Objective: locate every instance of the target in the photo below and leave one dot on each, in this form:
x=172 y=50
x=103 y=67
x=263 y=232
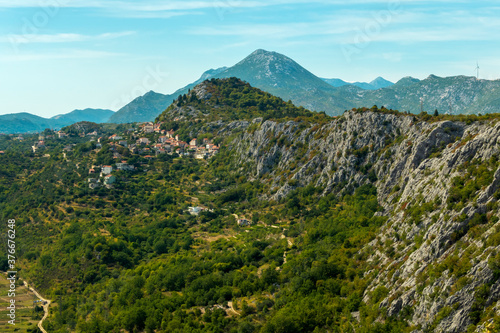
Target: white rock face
x=412 y=164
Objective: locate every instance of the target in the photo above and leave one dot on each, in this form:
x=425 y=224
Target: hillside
x=29 y=123
x=454 y=95
x=142 y=108
x=229 y=99
x=239 y=212
x=434 y=260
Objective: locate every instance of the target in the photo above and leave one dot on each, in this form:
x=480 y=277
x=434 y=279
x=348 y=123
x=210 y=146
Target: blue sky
x=60 y=55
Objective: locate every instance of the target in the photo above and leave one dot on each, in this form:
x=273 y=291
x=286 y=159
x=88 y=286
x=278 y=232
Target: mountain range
x=283 y=77
x=269 y=71
x=26 y=122
x=452 y=95
x=378 y=83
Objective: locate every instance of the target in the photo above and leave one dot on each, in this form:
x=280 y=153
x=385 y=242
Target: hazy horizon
x=62 y=55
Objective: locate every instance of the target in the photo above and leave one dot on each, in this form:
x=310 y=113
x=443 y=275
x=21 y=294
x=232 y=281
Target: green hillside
x=277 y=219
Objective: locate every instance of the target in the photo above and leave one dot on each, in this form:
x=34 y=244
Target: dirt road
x=46 y=304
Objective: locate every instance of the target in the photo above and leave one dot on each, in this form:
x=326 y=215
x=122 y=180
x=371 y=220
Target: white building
x=106 y=169
x=109 y=179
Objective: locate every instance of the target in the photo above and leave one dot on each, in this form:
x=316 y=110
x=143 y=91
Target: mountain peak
x=275 y=73
x=380 y=82
x=269 y=58
x=432 y=76
x=266 y=57
x=260 y=52
x=407 y=81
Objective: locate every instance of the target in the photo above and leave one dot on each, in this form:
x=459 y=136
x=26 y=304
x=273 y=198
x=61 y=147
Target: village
x=167 y=143
x=148 y=141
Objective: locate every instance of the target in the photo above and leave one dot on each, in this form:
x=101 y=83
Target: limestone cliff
x=438 y=183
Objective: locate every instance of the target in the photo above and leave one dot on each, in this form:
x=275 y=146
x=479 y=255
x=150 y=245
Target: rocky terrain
x=438 y=183
x=453 y=95
x=372 y=221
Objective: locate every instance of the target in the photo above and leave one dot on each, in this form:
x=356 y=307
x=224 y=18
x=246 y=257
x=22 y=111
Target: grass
x=25 y=312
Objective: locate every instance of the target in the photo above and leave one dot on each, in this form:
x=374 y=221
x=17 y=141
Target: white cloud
x=279 y=30
x=402 y=25
x=153 y=14
x=68 y=54
x=155 y=5
x=61 y=37
x=142 y=5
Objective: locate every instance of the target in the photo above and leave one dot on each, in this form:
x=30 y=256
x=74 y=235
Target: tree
x=436 y=113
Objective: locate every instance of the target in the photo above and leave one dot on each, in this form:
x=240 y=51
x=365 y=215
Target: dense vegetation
x=132 y=258
x=237 y=100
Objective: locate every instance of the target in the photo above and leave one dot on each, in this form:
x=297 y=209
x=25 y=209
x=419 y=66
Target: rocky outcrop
x=434 y=251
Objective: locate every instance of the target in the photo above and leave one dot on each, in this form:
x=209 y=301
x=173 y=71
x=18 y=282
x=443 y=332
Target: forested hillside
x=275 y=219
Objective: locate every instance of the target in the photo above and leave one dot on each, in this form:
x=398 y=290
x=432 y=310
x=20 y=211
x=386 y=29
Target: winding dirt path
x=231 y=308
x=45 y=306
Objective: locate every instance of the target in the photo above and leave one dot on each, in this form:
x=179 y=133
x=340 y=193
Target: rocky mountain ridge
x=452 y=95
x=435 y=263
x=283 y=77
x=375 y=84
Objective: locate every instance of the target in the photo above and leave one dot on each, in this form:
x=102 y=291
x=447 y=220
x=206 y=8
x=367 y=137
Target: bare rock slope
x=438 y=182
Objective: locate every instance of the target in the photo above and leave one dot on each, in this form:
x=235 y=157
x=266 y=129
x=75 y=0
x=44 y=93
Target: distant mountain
x=208 y=75
x=26 y=122
x=337 y=82
x=269 y=71
x=283 y=77
x=455 y=95
x=22 y=123
x=263 y=68
x=407 y=81
x=378 y=83
x=92 y=115
x=147 y=107
x=143 y=108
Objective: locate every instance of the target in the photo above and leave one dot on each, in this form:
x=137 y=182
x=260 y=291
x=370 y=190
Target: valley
x=371 y=221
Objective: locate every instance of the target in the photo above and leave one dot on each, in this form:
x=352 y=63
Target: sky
x=61 y=55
